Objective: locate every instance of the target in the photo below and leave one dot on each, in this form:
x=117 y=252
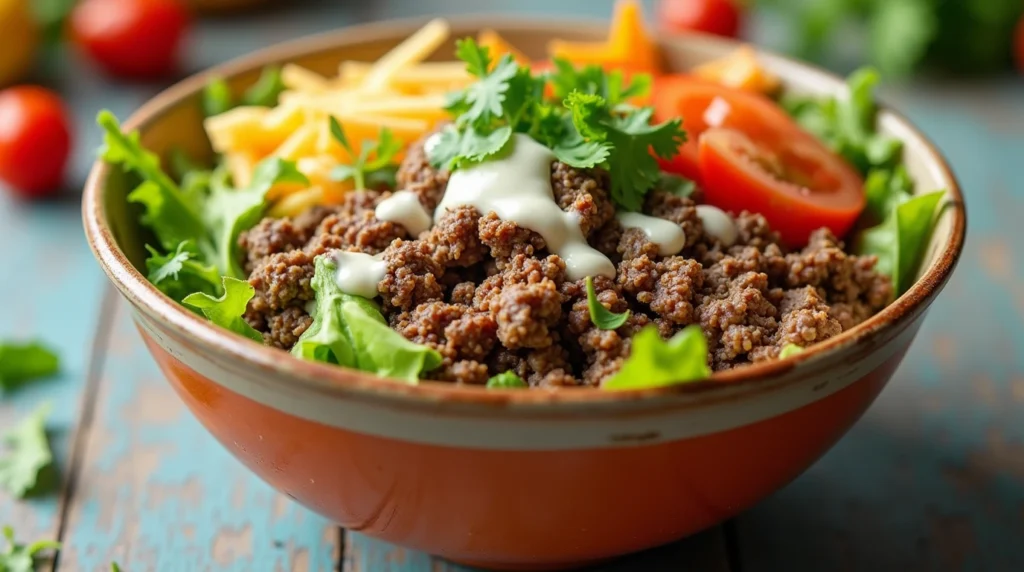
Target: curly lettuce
x=654 y=362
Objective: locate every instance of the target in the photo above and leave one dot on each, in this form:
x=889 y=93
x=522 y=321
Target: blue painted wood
x=156 y=492
x=933 y=477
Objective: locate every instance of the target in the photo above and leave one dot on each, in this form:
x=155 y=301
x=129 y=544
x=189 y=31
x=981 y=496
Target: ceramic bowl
x=510 y=479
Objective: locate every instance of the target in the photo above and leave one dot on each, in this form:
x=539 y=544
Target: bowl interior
x=173 y=120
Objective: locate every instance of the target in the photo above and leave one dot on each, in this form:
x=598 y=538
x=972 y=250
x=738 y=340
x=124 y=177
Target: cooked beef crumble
x=489 y=297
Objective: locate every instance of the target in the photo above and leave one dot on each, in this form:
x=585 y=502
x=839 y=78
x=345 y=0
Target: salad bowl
x=510 y=479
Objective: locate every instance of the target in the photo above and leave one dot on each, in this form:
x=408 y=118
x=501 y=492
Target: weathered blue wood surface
x=931 y=479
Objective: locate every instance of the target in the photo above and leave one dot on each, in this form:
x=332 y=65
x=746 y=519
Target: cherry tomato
x=131 y=38
x=1018 y=44
x=747 y=153
x=34 y=140
x=719 y=17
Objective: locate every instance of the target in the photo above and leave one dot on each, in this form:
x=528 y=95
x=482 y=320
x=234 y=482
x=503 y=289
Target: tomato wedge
x=748 y=154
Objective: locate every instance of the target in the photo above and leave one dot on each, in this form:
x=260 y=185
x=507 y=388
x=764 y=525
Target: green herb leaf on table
x=600 y=316
x=350 y=331
x=226 y=311
x=17 y=557
x=373 y=164
x=790 y=350
x=24 y=452
x=654 y=362
x=506 y=380
x=179 y=274
x=21 y=363
x=901 y=239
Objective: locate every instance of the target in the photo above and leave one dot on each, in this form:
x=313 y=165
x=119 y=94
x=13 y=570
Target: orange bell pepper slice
x=629 y=45
x=498 y=46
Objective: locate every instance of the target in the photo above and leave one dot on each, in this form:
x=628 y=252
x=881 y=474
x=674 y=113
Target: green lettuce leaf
x=654 y=362
x=602 y=317
x=901 y=239
x=180 y=273
x=885 y=189
x=226 y=311
x=350 y=331
x=217 y=97
x=172 y=217
x=27 y=453
x=267 y=89
x=230 y=211
x=790 y=350
x=847 y=123
x=506 y=380
x=21 y=363
x=17 y=557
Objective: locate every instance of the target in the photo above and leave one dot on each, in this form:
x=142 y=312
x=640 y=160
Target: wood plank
x=155 y=491
x=43 y=258
x=933 y=477
x=703 y=552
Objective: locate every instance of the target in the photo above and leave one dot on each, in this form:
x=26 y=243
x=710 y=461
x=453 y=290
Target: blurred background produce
x=135 y=45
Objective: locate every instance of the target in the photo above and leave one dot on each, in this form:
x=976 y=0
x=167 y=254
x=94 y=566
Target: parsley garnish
x=373 y=163
x=587 y=124
x=27 y=453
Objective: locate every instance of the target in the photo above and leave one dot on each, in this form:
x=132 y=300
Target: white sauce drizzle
x=517 y=187
x=404 y=208
x=718 y=224
x=430 y=143
x=668 y=235
x=358 y=273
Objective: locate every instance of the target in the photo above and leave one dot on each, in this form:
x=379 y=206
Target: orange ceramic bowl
x=510 y=479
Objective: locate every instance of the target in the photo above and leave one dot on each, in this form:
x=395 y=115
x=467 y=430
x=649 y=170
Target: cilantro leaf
x=20 y=557
x=482 y=101
x=631 y=164
x=27 y=453
x=901 y=239
x=172 y=217
x=506 y=380
x=595 y=80
x=679 y=186
x=790 y=350
x=375 y=161
x=230 y=211
x=24 y=362
x=602 y=317
x=350 y=331
x=654 y=362
x=179 y=274
x=227 y=310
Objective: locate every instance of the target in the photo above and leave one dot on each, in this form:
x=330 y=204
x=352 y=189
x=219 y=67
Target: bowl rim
x=334 y=380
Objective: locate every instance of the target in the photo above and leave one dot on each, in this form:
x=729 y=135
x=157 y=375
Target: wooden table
x=931 y=479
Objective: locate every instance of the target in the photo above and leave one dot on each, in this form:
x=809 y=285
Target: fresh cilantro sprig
x=17 y=557
x=588 y=123
x=373 y=164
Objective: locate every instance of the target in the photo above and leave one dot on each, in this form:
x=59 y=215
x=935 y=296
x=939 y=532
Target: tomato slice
x=799 y=188
x=758 y=159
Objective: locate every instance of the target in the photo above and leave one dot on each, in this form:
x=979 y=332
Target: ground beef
x=490 y=298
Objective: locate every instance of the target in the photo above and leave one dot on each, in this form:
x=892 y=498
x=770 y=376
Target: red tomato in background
x=747 y=154
x=131 y=38
x=35 y=139
x=719 y=17
x=1018 y=44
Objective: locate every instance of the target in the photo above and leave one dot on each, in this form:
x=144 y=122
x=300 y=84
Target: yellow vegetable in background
x=20 y=34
